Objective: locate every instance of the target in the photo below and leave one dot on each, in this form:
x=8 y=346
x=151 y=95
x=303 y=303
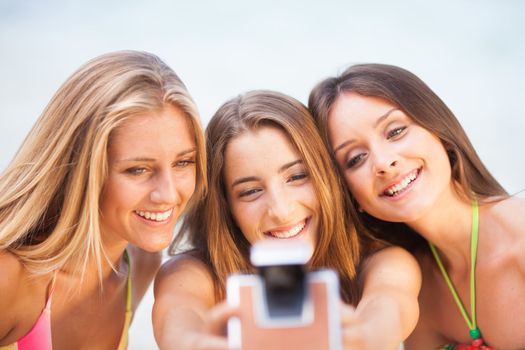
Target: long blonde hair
x=49 y=193
x=211 y=228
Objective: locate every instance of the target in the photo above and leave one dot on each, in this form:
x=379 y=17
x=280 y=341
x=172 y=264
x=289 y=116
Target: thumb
x=348 y=314
x=217 y=318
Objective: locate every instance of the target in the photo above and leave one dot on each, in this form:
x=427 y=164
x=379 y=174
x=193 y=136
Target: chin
x=154 y=246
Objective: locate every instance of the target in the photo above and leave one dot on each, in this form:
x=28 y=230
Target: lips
x=288 y=232
x=401 y=185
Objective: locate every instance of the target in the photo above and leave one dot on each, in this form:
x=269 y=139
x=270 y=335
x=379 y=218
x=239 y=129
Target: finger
x=211 y=342
x=218 y=316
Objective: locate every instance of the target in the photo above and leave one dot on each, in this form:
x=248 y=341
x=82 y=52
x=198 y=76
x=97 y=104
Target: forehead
x=355 y=106
x=166 y=128
x=265 y=148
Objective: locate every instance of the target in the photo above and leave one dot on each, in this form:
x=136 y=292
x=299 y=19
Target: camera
x=283 y=305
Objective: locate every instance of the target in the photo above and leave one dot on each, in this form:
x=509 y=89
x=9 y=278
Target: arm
x=388 y=310
x=184 y=315
x=22 y=298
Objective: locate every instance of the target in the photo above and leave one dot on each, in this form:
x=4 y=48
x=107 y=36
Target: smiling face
x=395 y=169
x=269 y=189
x=151 y=176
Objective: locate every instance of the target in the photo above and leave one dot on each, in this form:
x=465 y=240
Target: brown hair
x=410 y=94
x=211 y=228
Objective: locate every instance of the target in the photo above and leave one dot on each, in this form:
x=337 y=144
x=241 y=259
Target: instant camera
x=284 y=306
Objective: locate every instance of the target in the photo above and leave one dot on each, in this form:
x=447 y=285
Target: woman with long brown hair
x=270 y=177
x=414 y=179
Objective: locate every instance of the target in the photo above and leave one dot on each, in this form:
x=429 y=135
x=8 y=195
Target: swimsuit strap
x=123 y=343
x=51 y=291
x=474 y=330
x=128 y=292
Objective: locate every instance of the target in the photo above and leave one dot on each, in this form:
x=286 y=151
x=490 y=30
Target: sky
x=471 y=53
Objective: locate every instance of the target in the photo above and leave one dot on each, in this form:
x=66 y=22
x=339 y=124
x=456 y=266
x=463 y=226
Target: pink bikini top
x=39 y=337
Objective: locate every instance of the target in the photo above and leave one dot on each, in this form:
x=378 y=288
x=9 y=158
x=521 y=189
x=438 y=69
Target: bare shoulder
x=506 y=220
x=183 y=290
x=509 y=210
x=392 y=266
x=12 y=276
x=183 y=272
x=392 y=258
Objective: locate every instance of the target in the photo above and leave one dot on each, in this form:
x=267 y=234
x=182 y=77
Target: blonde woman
x=270 y=177
x=89 y=200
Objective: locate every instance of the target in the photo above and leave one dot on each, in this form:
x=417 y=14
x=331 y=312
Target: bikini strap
x=127 y=257
x=51 y=291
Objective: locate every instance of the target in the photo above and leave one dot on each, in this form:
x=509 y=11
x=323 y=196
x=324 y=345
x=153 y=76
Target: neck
x=111 y=262
x=447 y=225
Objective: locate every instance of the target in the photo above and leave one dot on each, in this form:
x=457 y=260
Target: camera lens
x=284 y=288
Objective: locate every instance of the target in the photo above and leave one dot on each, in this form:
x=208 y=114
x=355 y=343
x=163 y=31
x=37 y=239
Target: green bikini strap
x=472 y=324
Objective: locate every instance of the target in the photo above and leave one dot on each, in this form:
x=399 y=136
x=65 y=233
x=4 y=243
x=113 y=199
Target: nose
x=280 y=205
x=384 y=162
x=165 y=189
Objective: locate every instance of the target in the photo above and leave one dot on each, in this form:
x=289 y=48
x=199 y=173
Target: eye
x=396 y=132
x=298 y=177
x=352 y=162
x=249 y=192
x=136 y=171
x=184 y=163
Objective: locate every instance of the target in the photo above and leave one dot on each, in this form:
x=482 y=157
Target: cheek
x=356 y=184
x=186 y=185
x=246 y=216
x=115 y=194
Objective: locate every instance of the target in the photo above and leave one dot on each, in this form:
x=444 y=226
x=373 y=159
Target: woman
x=90 y=199
x=413 y=176
x=270 y=177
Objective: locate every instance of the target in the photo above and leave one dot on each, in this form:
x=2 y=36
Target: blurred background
x=471 y=53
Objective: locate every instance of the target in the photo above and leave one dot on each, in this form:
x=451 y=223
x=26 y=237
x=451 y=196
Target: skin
x=149 y=170
x=272 y=197
x=375 y=154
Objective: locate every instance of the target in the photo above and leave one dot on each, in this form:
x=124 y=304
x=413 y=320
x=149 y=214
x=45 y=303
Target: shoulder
x=13 y=277
x=391 y=267
x=391 y=259
x=505 y=221
x=183 y=288
x=508 y=212
x=183 y=271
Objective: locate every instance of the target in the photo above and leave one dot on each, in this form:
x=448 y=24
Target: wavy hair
x=49 y=193
x=211 y=228
x=410 y=94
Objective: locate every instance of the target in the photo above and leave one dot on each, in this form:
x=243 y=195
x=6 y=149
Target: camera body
x=284 y=306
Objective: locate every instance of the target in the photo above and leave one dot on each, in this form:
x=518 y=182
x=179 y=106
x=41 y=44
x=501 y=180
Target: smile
x=402 y=185
x=157 y=216
x=288 y=232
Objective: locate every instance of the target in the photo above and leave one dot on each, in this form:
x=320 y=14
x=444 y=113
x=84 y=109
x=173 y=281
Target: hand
x=353 y=338
x=213 y=335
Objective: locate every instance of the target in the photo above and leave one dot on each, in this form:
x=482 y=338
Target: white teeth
x=294 y=231
x=402 y=184
x=155 y=216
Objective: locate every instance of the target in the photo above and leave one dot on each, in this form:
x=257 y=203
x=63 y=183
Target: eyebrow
x=255 y=178
x=377 y=122
x=147 y=159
